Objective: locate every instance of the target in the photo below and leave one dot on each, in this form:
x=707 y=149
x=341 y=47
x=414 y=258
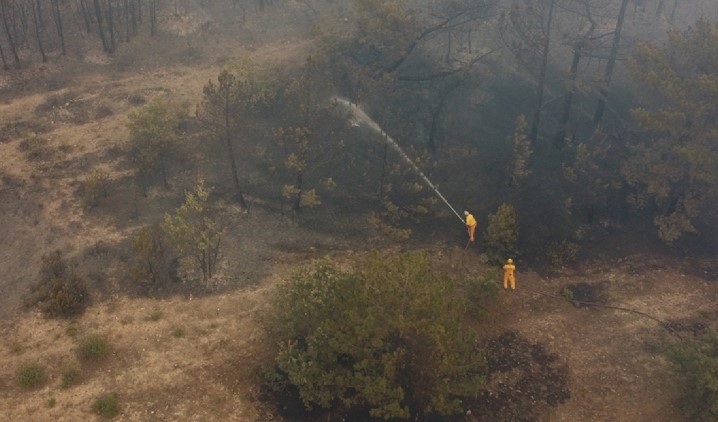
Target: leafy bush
x=698 y=363
x=149 y=259
x=30 y=375
x=60 y=291
x=502 y=233
x=193 y=233
x=479 y=292
x=563 y=252
x=106 y=405
x=385 y=341
x=70 y=376
x=95 y=186
x=93 y=347
x=154 y=138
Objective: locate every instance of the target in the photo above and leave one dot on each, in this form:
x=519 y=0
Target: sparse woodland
x=162 y=151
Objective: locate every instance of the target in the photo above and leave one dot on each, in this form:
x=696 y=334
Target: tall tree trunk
x=447 y=57
x=100 y=26
x=382 y=176
x=111 y=25
x=533 y=134
x=558 y=140
x=40 y=17
x=58 y=23
x=133 y=15
x=8 y=33
x=86 y=17
x=230 y=153
x=673 y=11
x=153 y=17
x=20 y=41
x=603 y=92
x=4 y=60
x=38 y=28
x=300 y=187
x=126 y=5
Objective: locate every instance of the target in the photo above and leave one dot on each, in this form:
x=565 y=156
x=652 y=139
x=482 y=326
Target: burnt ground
x=547 y=359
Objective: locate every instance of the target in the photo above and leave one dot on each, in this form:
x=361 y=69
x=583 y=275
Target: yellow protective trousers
x=471 y=230
x=509 y=279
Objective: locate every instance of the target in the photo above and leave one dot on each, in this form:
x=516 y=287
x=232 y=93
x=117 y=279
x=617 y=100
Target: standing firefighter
x=470 y=225
x=509 y=269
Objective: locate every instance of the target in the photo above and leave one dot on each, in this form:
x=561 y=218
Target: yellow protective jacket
x=470 y=220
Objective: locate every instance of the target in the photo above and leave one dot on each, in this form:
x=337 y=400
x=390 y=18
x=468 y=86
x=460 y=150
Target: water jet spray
x=360 y=117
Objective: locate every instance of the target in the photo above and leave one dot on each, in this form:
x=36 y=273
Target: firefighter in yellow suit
x=509 y=277
x=470 y=225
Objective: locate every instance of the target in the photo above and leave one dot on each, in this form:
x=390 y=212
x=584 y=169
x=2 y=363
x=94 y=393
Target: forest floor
x=191 y=352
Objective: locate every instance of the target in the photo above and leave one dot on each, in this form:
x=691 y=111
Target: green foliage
x=313 y=136
x=480 y=292
x=386 y=339
x=106 y=406
x=149 y=260
x=60 y=292
x=95 y=186
x=380 y=35
x=521 y=147
x=193 y=233
x=39 y=149
x=178 y=332
x=154 y=136
x=502 y=233
x=156 y=315
x=94 y=347
x=70 y=376
x=386 y=222
x=594 y=174
x=568 y=295
x=242 y=91
x=51 y=402
x=563 y=252
x=30 y=375
x=675 y=164
x=697 y=361
x=405 y=201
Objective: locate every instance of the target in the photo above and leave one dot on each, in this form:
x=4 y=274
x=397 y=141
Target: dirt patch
x=523 y=380
x=586 y=295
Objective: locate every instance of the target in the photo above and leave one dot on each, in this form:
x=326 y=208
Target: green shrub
x=51 y=402
x=502 y=234
x=697 y=361
x=106 y=406
x=479 y=292
x=95 y=186
x=385 y=339
x=60 y=292
x=149 y=259
x=30 y=375
x=37 y=148
x=156 y=315
x=93 y=347
x=563 y=252
x=70 y=376
x=178 y=332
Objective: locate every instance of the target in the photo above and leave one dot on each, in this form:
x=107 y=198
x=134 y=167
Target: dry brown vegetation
x=191 y=350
